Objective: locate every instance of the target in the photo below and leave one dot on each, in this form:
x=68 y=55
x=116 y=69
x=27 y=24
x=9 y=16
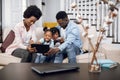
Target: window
x=0 y=21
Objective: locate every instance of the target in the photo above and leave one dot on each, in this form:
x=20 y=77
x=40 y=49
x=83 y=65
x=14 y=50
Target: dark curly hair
x=32 y=11
x=55 y=30
x=61 y=15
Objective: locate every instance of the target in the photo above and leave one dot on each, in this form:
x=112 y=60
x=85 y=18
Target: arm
x=71 y=36
x=18 y=36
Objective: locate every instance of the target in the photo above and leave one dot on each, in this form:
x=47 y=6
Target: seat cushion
x=86 y=58
x=5 y=59
x=1 y=67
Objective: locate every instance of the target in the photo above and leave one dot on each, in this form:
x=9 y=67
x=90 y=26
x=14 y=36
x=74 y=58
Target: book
x=107 y=63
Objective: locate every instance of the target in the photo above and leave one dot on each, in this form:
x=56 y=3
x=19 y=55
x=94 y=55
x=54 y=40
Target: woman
x=25 y=35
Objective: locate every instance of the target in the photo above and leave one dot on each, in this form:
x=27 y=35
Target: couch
x=6 y=59
x=83 y=58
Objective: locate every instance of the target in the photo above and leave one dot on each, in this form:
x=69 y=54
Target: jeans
x=44 y=59
x=22 y=53
x=71 y=51
x=40 y=58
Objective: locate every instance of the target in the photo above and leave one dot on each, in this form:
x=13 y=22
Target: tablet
x=41 y=48
x=40 y=69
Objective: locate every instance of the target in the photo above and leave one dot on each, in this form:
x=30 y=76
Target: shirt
x=22 y=37
x=72 y=36
x=50 y=43
x=62 y=33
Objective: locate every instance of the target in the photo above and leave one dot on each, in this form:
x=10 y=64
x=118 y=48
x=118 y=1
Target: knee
x=72 y=60
x=26 y=53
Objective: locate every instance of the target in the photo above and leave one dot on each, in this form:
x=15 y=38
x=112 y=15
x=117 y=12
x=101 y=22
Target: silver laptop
x=45 y=69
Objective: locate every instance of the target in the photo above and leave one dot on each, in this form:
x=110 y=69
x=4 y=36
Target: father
x=72 y=42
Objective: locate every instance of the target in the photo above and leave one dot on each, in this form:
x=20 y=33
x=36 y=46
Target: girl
x=47 y=40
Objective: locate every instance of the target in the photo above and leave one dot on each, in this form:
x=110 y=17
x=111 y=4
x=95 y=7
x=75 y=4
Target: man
x=72 y=43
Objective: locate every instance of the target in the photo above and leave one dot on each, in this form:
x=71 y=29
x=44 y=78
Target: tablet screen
x=41 y=48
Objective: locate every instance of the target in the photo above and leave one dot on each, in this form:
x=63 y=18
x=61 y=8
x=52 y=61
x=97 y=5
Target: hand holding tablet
x=41 y=48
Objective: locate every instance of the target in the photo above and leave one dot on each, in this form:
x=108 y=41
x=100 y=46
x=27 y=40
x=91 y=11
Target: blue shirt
x=72 y=36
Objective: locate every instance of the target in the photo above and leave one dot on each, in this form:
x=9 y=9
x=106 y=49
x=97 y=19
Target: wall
x=51 y=8
x=12 y=12
x=0 y=20
x=0 y=13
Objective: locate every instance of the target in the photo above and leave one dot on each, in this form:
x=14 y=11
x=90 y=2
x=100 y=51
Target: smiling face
x=48 y=36
x=55 y=36
x=30 y=21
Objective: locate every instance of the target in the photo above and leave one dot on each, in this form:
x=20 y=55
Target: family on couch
x=70 y=43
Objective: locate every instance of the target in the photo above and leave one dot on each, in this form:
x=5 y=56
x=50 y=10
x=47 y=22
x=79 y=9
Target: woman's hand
x=38 y=42
x=30 y=49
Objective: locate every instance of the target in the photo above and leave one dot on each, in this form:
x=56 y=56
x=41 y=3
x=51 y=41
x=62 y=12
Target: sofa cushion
x=1 y=67
x=8 y=40
x=86 y=58
x=5 y=59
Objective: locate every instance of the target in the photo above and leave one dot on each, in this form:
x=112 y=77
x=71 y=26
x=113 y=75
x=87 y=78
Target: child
x=58 y=40
x=47 y=40
x=56 y=36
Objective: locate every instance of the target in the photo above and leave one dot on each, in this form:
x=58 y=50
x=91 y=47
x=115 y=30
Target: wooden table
x=22 y=71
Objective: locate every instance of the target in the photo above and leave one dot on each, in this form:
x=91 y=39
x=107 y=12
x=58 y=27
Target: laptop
x=47 y=69
x=41 y=48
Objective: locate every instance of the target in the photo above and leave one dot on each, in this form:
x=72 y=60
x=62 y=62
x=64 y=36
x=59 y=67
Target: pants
x=24 y=54
x=71 y=51
x=40 y=58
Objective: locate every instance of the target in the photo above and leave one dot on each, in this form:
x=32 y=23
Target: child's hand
x=38 y=42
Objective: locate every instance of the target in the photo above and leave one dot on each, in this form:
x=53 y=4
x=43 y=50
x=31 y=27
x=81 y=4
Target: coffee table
x=22 y=71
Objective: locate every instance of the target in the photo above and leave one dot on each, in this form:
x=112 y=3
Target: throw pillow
x=8 y=40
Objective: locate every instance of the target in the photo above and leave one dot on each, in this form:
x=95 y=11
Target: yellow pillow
x=50 y=24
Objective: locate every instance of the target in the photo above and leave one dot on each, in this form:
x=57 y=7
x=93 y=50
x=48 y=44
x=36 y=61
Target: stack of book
x=107 y=63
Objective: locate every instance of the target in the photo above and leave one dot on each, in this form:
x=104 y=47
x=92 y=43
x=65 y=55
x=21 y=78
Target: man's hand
x=53 y=51
x=62 y=40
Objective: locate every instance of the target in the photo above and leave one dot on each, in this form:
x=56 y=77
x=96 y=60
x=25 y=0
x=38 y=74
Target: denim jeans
x=71 y=51
x=40 y=58
x=44 y=59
